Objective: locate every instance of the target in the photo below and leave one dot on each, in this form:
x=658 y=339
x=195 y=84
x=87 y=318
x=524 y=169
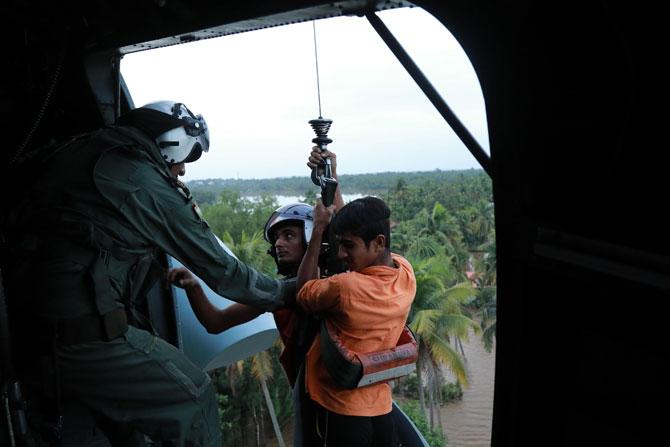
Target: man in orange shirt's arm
x=367 y=307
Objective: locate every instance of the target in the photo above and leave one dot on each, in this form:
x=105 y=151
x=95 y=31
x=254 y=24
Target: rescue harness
x=350 y=369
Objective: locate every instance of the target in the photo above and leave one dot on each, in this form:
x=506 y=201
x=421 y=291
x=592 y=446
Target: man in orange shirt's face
x=357 y=255
x=364 y=241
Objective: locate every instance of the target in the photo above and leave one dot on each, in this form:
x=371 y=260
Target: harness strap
x=342 y=364
x=350 y=370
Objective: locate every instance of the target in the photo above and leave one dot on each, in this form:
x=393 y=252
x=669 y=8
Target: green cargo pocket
x=172 y=361
x=189 y=385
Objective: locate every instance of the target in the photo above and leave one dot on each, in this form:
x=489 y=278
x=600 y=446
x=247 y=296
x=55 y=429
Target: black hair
x=366 y=218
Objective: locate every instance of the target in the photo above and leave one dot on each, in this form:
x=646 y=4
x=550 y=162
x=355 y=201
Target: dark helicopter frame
x=575 y=104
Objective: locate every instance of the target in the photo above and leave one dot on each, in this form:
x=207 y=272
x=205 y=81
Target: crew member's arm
x=215 y=320
x=170 y=219
x=316 y=157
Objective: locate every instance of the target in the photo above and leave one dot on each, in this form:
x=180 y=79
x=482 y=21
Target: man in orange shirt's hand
x=367 y=307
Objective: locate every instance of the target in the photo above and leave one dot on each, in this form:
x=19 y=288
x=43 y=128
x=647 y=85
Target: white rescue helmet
x=300 y=213
x=185 y=143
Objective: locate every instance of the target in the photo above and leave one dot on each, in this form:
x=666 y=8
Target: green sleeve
x=140 y=190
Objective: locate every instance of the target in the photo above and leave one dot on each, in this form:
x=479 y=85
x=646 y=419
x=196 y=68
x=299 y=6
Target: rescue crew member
x=367 y=307
x=289 y=231
x=82 y=241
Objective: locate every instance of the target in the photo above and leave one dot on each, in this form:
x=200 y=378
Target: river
x=467 y=422
x=285 y=200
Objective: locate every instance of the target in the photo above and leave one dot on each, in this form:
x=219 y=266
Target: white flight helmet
x=298 y=212
x=293 y=213
x=185 y=143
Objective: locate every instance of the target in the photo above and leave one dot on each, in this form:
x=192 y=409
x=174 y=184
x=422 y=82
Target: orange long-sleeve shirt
x=368 y=309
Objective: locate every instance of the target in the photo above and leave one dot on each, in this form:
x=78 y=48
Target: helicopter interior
x=574 y=98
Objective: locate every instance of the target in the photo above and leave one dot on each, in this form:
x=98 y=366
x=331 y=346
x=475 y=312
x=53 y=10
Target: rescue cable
x=322 y=175
x=316 y=63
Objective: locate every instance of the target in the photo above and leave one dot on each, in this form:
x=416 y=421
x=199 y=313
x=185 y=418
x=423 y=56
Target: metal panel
x=212 y=351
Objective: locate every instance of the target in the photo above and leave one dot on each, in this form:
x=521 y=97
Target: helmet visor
x=196 y=127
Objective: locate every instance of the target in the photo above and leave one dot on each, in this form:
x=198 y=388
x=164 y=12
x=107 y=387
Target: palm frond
x=458 y=325
x=487 y=337
x=261 y=365
x=461 y=292
x=423 y=322
x=443 y=353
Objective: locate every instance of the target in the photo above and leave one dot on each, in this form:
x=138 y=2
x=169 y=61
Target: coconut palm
x=438 y=317
x=429 y=234
x=485 y=303
x=261 y=368
x=484 y=223
x=487 y=315
x=252 y=250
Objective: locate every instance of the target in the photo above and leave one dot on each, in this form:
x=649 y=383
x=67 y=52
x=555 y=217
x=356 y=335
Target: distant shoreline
x=362 y=184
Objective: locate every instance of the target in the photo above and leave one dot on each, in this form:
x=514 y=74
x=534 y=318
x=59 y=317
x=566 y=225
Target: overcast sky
x=257 y=91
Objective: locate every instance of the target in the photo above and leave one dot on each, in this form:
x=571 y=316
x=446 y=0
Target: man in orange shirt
x=367 y=307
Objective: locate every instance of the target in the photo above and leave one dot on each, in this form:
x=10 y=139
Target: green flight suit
x=81 y=241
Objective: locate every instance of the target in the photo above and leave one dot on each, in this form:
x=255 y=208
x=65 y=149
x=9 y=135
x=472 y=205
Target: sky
x=258 y=90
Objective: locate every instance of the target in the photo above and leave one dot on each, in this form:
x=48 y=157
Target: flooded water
x=285 y=200
x=468 y=422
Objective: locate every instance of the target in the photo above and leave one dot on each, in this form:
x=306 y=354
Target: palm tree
x=233 y=372
x=437 y=317
x=487 y=315
x=252 y=250
x=423 y=236
x=485 y=223
x=261 y=368
x=433 y=233
x=485 y=277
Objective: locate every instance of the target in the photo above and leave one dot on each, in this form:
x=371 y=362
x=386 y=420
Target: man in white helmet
x=83 y=240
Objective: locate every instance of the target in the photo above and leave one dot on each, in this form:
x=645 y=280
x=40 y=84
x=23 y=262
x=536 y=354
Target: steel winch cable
x=320 y=125
x=316 y=63
x=322 y=175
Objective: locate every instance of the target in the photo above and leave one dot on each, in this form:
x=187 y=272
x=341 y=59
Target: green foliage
x=231 y=413
x=379 y=184
x=410 y=386
x=438 y=314
x=235 y=214
x=413 y=411
x=240 y=396
x=310 y=196
x=451 y=391
x=226 y=417
x=251 y=250
x=486 y=313
x=282 y=397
